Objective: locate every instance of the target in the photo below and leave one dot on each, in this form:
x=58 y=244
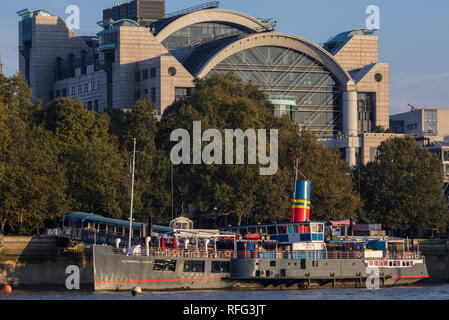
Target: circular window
x=378 y=77
x=172 y=71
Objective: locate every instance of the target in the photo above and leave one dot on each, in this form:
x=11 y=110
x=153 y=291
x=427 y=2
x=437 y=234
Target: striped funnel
x=301 y=201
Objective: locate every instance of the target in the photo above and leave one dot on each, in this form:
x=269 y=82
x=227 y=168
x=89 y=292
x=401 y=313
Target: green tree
x=402 y=188
x=152 y=186
x=96 y=169
x=239 y=191
x=33 y=190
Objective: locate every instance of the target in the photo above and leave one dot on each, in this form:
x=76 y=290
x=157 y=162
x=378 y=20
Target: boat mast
x=132 y=197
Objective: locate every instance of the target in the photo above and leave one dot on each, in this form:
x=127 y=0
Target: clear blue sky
x=413 y=35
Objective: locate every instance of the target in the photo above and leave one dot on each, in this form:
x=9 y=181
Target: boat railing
x=182 y=253
x=330 y=254
x=93 y=236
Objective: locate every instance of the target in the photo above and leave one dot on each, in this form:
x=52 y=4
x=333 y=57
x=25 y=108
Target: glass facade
x=366 y=103
x=430 y=122
x=286 y=72
x=200 y=33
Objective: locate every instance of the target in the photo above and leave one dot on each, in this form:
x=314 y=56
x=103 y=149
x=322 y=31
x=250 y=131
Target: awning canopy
x=81 y=217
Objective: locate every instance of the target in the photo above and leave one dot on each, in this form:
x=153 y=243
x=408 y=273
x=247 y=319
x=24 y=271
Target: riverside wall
x=33 y=262
x=436 y=252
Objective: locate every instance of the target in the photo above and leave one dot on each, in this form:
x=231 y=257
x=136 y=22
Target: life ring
x=228 y=254
x=359 y=254
x=175 y=253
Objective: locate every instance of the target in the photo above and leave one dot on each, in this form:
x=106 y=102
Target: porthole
x=172 y=71
x=378 y=77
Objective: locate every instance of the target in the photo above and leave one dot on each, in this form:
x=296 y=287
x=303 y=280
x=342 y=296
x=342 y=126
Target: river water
x=416 y=292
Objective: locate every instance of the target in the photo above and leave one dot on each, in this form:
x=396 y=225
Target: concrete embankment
x=27 y=262
x=436 y=252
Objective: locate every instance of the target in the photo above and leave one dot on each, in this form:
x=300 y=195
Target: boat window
x=102 y=228
x=391 y=263
x=193 y=266
x=282 y=229
x=252 y=230
x=164 y=265
x=314 y=228
x=243 y=231
x=261 y=230
x=272 y=230
x=321 y=227
x=220 y=266
x=291 y=229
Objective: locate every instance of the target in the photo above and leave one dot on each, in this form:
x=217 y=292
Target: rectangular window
x=145 y=93
x=89 y=106
x=80 y=89
x=92 y=86
x=153 y=72
x=96 y=105
x=73 y=90
x=220 y=267
x=58 y=93
x=145 y=74
x=153 y=95
x=183 y=93
x=86 y=88
x=164 y=265
x=372 y=153
x=272 y=230
x=282 y=229
x=194 y=266
x=64 y=92
x=430 y=122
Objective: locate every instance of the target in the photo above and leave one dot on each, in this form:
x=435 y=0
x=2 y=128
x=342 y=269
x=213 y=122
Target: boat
x=290 y=255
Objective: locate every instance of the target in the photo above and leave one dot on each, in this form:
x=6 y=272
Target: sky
x=413 y=35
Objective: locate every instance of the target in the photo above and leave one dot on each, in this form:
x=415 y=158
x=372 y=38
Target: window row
x=194 y=266
x=77 y=90
x=145 y=73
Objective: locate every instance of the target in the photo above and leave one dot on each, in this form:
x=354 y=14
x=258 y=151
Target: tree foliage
x=63 y=158
x=402 y=188
x=239 y=191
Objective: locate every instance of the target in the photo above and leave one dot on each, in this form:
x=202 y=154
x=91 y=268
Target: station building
x=340 y=90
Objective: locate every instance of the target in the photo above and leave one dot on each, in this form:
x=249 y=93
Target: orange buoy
x=7 y=289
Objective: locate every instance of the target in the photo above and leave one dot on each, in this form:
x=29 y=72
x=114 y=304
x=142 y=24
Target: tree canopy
x=402 y=188
x=63 y=158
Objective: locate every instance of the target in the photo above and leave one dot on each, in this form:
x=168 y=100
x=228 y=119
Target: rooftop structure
x=335 y=91
x=428 y=122
x=144 y=12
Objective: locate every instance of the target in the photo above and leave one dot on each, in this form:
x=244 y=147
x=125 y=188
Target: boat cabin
x=283 y=233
